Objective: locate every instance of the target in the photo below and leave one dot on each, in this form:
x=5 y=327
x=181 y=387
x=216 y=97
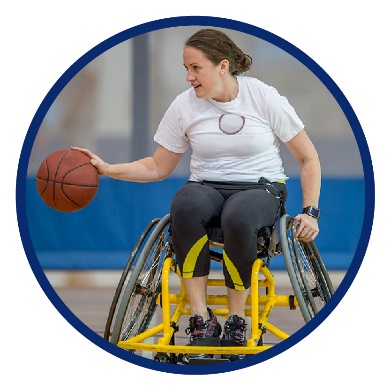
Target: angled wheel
x=133 y=258
x=307 y=272
x=139 y=300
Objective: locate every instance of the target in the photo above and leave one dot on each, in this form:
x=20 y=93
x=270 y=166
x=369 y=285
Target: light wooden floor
x=89 y=295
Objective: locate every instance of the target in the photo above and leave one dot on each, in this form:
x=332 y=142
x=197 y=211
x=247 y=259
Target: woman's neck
x=230 y=90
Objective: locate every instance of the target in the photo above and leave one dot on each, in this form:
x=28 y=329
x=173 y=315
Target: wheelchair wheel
x=139 y=300
x=307 y=272
x=132 y=260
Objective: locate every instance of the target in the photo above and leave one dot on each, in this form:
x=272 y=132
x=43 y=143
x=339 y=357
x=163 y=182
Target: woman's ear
x=224 y=66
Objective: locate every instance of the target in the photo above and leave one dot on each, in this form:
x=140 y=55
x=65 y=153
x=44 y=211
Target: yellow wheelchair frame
x=309 y=278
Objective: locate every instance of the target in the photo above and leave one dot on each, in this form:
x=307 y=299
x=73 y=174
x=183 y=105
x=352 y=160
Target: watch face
x=312 y=211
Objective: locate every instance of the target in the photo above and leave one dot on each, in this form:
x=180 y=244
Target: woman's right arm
x=149 y=169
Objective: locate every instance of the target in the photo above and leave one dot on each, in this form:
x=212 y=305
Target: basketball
x=67 y=181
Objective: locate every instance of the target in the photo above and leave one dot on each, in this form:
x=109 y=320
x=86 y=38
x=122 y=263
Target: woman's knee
x=195 y=202
x=181 y=202
x=238 y=223
x=238 y=228
x=249 y=211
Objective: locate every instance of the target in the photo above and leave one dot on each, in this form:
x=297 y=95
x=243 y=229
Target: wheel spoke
x=139 y=300
x=309 y=278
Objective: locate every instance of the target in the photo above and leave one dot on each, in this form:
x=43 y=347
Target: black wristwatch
x=312 y=211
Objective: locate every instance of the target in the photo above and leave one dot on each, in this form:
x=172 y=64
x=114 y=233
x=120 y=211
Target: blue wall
x=102 y=235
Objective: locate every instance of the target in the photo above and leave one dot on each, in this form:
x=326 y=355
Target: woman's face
x=202 y=74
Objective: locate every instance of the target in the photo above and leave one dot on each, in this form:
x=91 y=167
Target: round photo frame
x=194 y=21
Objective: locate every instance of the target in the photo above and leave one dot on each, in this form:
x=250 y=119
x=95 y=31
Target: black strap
x=263 y=183
x=233 y=185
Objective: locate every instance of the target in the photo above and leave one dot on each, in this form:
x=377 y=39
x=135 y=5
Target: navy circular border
x=146 y=28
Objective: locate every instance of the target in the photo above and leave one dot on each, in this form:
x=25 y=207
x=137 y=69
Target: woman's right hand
x=96 y=161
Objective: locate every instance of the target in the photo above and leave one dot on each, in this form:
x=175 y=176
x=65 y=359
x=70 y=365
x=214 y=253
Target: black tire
x=139 y=300
x=307 y=272
x=125 y=275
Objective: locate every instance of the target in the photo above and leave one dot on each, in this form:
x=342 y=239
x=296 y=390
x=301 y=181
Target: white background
x=40 y=40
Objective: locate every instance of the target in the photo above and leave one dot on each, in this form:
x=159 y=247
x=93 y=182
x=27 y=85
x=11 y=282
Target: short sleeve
x=282 y=116
x=170 y=133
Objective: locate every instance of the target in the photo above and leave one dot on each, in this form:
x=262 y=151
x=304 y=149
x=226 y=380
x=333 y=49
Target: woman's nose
x=190 y=76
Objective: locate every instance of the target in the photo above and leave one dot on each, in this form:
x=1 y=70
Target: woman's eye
x=194 y=68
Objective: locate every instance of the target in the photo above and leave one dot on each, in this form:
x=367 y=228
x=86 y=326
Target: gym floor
x=88 y=294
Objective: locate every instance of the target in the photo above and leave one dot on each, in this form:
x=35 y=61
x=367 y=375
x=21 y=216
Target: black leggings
x=240 y=214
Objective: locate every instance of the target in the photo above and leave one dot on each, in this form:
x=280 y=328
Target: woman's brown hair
x=218 y=46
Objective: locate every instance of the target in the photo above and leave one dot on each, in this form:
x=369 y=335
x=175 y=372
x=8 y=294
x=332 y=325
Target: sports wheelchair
x=146 y=284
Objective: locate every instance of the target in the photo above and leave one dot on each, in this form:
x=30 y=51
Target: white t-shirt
x=231 y=141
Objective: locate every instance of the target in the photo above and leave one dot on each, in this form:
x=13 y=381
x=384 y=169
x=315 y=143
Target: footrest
x=206 y=361
x=206 y=342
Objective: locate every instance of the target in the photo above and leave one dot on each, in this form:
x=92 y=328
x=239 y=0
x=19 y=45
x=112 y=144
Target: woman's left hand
x=307 y=228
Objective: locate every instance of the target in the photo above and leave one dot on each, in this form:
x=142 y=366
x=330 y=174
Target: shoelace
x=194 y=327
x=236 y=326
x=235 y=331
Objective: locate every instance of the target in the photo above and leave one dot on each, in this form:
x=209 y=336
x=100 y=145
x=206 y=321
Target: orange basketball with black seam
x=67 y=181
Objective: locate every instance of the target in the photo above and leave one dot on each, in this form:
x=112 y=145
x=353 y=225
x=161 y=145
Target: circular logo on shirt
x=231 y=123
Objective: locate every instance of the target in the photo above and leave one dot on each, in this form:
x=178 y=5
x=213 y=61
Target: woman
x=233 y=124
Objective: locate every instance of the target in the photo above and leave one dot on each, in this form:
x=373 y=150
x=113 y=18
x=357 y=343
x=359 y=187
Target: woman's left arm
x=302 y=149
